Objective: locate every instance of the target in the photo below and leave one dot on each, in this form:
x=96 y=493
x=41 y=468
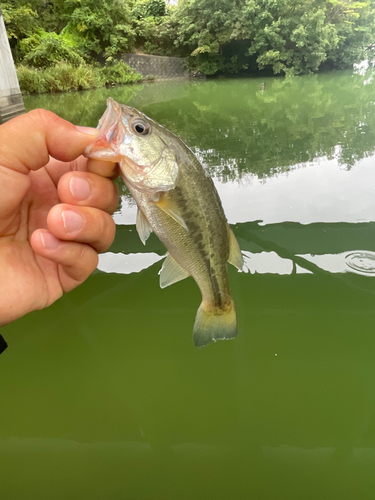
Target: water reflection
x=269 y=262
x=292 y=123
x=237 y=129
x=84 y=107
x=126 y=263
x=284 y=248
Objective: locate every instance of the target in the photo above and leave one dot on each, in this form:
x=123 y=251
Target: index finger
x=28 y=140
x=26 y=143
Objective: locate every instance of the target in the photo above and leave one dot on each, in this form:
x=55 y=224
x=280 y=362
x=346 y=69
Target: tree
x=20 y=20
x=153 y=27
x=104 y=27
x=355 y=23
x=283 y=35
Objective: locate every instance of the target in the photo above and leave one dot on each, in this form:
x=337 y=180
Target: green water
x=104 y=396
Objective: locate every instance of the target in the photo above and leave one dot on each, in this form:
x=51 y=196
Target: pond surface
x=103 y=395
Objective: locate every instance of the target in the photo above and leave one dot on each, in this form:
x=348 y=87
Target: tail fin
x=213 y=323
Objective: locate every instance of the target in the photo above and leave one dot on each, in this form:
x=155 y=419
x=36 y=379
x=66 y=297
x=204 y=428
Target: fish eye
x=140 y=127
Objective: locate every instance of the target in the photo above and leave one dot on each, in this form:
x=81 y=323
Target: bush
x=31 y=80
x=64 y=77
x=61 y=78
x=43 y=50
x=118 y=73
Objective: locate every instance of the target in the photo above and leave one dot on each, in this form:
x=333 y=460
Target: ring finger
x=82 y=224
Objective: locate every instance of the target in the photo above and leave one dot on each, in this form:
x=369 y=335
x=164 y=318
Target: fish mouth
x=113 y=142
x=112 y=133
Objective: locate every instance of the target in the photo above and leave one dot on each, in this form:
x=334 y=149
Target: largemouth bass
x=178 y=201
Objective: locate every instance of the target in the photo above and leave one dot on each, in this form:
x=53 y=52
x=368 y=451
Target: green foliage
x=104 y=27
x=148 y=8
x=61 y=78
x=31 y=80
x=154 y=28
x=118 y=73
x=355 y=23
x=43 y=50
x=98 y=28
x=64 y=77
x=20 y=20
x=86 y=30
x=280 y=35
x=216 y=36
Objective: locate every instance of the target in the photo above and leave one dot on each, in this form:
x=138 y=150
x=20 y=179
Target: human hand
x=54 y=212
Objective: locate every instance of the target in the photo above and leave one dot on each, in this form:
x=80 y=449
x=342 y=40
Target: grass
x=64 y=77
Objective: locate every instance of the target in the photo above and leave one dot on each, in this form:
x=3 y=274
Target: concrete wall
x=11 y=103
x=159 y=66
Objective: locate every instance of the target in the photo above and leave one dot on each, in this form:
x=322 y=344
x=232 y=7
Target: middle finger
x=89 y=190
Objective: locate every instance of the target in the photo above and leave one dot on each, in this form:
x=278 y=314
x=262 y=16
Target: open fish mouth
x=112 y=133
x=122 y=132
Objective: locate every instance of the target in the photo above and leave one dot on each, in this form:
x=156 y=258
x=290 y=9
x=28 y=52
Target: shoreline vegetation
x=69 y=45
x=64 y=77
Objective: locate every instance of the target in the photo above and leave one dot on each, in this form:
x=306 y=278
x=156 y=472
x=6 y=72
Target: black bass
x=178 y=201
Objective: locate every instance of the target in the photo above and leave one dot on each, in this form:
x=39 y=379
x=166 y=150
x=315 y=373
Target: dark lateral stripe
x=216 y=290
x=3 y=344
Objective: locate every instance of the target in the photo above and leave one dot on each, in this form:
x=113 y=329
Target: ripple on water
x=363 y=262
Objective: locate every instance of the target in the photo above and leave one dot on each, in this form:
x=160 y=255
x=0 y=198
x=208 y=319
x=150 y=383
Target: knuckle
x=81 y=255
x=47 y=117
x=107 y=232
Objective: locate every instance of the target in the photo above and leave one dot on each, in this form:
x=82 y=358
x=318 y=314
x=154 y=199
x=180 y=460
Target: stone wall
x=158 y=66
x=11 y=103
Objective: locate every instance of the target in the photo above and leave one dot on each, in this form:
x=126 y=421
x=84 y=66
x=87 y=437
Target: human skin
x=55 y=208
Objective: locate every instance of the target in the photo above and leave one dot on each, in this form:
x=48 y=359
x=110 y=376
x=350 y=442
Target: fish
x=178 y=201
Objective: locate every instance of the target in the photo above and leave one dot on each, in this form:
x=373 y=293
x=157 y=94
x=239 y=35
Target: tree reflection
x=83 y=107
x=250 y=125
x=236 y=128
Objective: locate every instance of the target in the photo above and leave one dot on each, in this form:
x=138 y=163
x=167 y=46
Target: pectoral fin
x=143 y=227
x=164 y=204
x=235 y=255
x=171 y=272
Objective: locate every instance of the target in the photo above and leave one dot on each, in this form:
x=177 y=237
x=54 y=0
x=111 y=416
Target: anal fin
x=171 y=272
x=235 y=255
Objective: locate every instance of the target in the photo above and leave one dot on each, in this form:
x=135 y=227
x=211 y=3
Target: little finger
x=76 y=260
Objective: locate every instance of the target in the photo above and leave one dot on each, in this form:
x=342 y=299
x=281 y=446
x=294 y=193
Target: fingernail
x=80 y=188
x=87 y=130
x=72 y=221
x=49 y=241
